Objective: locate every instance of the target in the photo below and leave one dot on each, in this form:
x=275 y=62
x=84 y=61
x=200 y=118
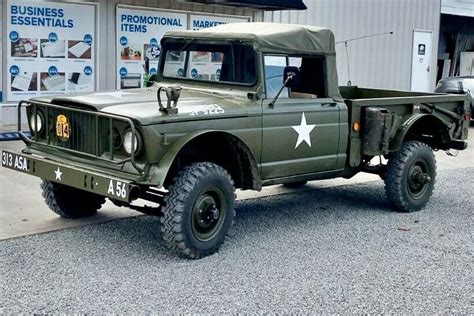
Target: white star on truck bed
x=303 y=131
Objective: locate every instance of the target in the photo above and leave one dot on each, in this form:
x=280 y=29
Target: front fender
x=158 y=172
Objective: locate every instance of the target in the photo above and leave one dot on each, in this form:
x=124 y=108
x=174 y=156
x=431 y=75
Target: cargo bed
x=400 y=104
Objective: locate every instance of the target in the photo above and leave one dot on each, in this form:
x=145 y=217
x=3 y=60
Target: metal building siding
x=382 y=61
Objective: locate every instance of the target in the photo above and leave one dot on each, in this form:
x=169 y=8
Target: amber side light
x=356 y=126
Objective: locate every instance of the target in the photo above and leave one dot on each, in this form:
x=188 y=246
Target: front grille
x=89 y=133
x=83 y=131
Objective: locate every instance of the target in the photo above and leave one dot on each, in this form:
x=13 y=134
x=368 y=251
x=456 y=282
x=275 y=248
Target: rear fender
x=429 y=123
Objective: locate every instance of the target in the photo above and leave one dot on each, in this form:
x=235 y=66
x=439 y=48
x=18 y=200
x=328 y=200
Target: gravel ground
x=335 y=250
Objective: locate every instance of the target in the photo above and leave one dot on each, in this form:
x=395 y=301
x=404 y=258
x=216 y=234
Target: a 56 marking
x=118 y=189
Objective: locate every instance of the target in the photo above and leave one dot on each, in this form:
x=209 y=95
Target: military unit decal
x=63 y=129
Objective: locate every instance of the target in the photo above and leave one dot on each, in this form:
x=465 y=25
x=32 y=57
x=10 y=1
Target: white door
x=466 y=66
x=421 y=61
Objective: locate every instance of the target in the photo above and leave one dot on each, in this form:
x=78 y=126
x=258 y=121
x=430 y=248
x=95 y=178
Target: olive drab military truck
x=234 y=106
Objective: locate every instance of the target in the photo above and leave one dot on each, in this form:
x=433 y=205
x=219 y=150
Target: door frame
x=411 y=54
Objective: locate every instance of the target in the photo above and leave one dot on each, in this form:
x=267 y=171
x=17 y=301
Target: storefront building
x=60 y=47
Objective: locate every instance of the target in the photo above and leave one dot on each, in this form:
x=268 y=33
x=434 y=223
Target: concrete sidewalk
x=23 y=211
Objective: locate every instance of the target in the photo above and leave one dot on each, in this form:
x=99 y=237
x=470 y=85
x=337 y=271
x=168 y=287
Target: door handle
x=329 y=104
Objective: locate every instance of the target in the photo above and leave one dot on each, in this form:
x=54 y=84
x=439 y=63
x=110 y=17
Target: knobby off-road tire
x=198 y=211
x=410 y=177
x=69 y=202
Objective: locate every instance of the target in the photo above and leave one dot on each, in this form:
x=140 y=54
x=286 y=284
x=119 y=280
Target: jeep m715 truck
x=234 y=106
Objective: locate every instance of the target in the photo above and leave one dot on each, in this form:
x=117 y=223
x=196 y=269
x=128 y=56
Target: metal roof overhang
x=259 y=4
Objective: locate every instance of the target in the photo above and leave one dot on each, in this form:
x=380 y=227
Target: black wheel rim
x=418 y=179
x=208 y=214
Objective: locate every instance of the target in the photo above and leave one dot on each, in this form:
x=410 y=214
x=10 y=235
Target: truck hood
x=142 y=104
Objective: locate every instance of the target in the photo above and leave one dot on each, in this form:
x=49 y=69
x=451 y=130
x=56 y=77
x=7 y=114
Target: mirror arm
x=272 y=103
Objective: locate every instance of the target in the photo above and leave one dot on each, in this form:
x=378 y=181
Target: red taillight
x=467 y=117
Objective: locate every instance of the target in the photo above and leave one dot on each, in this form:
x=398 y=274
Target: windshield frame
x=186 y=42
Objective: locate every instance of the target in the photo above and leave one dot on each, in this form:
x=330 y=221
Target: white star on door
x=58 y=174
x=303 y=131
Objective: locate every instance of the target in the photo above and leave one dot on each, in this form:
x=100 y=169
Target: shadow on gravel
x=365 y=197
x=265 y=217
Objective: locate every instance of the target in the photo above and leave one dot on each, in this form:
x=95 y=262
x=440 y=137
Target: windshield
x=226 y=63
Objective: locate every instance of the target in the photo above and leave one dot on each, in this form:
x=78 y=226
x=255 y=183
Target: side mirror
x=294 y=73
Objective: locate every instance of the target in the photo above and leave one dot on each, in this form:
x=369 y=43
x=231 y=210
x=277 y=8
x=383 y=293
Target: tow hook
x=452 y=154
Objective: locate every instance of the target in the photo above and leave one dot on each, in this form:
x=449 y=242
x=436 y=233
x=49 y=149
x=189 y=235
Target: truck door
x=301 y=130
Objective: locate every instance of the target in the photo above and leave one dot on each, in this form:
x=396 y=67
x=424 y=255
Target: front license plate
x=15 y=161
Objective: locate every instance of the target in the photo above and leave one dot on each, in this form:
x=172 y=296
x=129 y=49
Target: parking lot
x=330 y=247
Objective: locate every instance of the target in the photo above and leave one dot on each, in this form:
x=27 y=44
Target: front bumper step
x=82 y=179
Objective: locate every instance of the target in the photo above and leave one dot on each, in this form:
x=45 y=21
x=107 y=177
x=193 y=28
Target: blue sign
x=123 y=41
x=52 y=71
x=14 y=36
x=14 y=70
x=88 y=70
x=123 y=72
x=152 y=71
x=194 y=72
x=53 y=37
x=181 y=72
x=88 y=39
x=154 y=42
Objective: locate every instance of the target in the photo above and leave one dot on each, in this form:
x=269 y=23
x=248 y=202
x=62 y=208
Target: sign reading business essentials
x=50 y=48
x=138 y=42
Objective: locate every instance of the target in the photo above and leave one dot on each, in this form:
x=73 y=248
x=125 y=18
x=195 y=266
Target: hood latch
x=172 y=94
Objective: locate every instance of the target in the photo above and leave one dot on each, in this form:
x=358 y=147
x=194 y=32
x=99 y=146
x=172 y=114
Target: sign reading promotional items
x=50 y=48
x=138 y=42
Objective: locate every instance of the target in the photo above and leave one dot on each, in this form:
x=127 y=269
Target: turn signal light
x=356 y=126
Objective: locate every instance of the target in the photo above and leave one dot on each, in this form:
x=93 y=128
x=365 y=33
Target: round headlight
x=36 y=124
x=127 y=142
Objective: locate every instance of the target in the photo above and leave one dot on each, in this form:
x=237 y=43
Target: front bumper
x=79 y=178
